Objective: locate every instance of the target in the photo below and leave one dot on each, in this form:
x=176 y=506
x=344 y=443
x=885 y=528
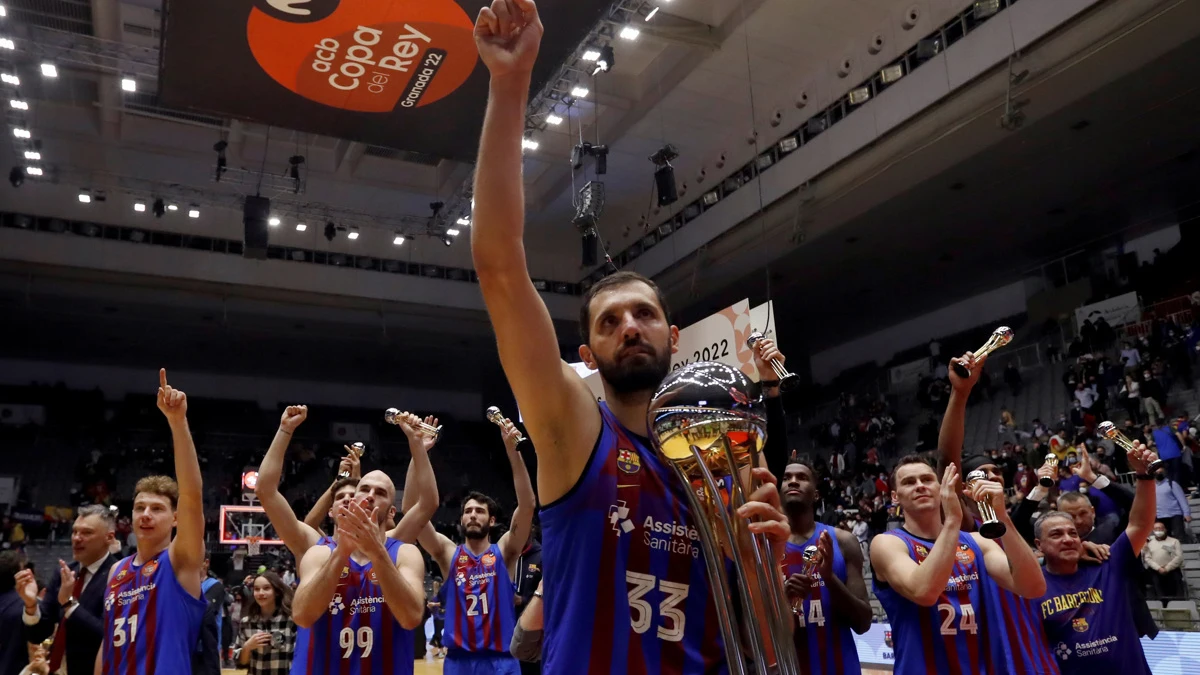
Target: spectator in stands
x=1172 y=505
x=1163 y=555
x=207 y=659
x=1168 y=448
x=1012 y=378
x=1131 y=399
x=13 y=653
x=1078 y=417
x=267 y=638
x=1153 y=397
x=1085 y=396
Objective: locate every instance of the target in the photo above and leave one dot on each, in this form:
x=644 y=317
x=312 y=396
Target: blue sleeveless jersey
x=151 y=624
x=951 y=637
x=358 y=635
x=480 y=612
x=824 y=645
x=303 y=635
x=624 y=578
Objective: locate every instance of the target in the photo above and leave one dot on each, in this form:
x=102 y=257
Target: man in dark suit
x=73 y=608
x=14 y=653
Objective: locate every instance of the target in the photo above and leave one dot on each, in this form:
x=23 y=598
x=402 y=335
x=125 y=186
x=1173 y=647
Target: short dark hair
x=612 y=281
x=341 y=483
x=905 y=461
x=794 y=458
x=1040 y=523
x=492 y=506
x=10 y=564
x=1073 y=498
x=105 y=514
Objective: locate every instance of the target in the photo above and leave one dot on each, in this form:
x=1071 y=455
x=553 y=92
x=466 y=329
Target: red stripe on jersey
x=800 y=638
x=925 y=624
x=389 y=625
x=129 y=649
x=149 y=625
x=312 y=649
x=838 y=663
x=352 y=581
x=600 y=653
x=638 y=561
x=1016 y=627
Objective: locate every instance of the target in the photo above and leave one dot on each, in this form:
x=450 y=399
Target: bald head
x=378 y=491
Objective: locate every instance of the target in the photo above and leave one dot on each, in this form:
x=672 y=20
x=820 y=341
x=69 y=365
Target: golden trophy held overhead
x=392 y=416
x=1110 y=431
x=1000 y=337
x=1052 y=462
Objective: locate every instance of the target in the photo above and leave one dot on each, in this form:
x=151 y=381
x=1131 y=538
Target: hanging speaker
x=664 y=181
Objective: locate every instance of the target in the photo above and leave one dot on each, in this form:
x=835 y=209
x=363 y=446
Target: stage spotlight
x=300 y=227
x=353 y=234
x=16 y=176
x=21 y=133
x=140 y=207
x=629 y=33
x=33 y=170
x=891 y=73
x=85 y=197
x=158 y=208
x=330 y=231
x=194 y=211
x=128 y=84
x=3 y=11
x=172 y=207
x=49 y=70
x=464 y=221
x=553 y=119
x=18 y=105
x=652 y=13
x=7 y=43
x=33 y=155
x=10 y=79
x=529 y=144
x=273 y=222
x=986 y=8
x=591 y=55
x=452 y=232
x=606 y=60
x=447 y=241
x=860 y=96
x=399 y=239
x=579 y=92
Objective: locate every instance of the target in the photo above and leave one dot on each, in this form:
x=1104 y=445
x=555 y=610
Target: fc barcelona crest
x=887 y=639
x=1080 y=625
x=150 y=568
x=488 y=559
x=345 y=572
x=628 y=461
x=462 y=559
x=121 y=575
x=922 y=552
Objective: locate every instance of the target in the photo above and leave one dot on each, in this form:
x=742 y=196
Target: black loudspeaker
x=254 y=216
x=664 y=180
x=590 y=242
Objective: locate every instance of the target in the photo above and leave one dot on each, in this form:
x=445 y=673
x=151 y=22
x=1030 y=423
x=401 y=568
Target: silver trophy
x=708 y=423
x=787 y=380
x=1052 y=462
x=496 y=417
x=357 y=448
x=991 y=527
x=1000 y=337
x=811 y=561
x=1109 y=430
x=392 y=416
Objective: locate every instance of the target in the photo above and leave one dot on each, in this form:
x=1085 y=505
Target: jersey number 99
x=366 y=640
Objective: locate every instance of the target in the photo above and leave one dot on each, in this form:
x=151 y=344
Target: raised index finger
x=162 y=377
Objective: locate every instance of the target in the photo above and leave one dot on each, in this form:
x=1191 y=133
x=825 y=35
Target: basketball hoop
x=253 y=545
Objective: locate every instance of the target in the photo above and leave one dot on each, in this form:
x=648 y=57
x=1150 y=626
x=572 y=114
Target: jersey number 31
x=672 y=618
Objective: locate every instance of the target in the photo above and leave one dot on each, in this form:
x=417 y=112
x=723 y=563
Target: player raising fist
x=152 y=608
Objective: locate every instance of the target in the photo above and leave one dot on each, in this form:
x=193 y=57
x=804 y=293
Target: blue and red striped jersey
x=626 y=589
x=1018 y=641
x=951 y=637
x=358 y=635
x=151 y=624
x=824 y=644
x=479 y=602
x=303 y=635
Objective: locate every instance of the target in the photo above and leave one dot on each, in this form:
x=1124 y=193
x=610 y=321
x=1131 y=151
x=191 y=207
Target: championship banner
x=403 y=75
x=720 y=337
x=1116 y=311
x=1171 y=653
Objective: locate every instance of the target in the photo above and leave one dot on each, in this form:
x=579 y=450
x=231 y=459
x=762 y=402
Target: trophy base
x=960 y=370
x=992 y=530
x=1154 y=466
x=789 y=382
x=1046 y=482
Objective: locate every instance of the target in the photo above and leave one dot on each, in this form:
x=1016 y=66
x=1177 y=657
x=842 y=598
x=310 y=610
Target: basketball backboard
x=238 y=523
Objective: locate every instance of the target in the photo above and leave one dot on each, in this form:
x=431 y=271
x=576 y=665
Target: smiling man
x=1086 y=610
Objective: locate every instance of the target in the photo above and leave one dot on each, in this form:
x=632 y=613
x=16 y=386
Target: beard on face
x=639 y=372
x=473 y=532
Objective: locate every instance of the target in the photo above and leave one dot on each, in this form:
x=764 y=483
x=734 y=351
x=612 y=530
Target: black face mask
x=1160 y=477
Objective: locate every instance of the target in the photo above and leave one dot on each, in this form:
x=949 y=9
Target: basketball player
x=833 y=602
x=1016 y=644
x=361 y=598
x=480 y=595
x=625 y=583
x=153 y=608
x=299 y=536
x=1087 y=611
x=933 y=579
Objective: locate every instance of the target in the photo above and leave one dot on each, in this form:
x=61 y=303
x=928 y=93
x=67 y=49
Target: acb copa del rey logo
x=364 y=55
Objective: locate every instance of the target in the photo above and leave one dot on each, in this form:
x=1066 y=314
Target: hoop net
x=253 y=545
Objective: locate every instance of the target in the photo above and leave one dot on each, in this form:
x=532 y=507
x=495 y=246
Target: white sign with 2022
x=719 y=337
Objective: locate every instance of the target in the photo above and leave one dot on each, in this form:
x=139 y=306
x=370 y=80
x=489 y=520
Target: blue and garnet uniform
x=626 y=589
x=151 y=623
x=358 y=634
x=824 y=644
x=480 y=613
x=948 y=638
x=304 y=635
